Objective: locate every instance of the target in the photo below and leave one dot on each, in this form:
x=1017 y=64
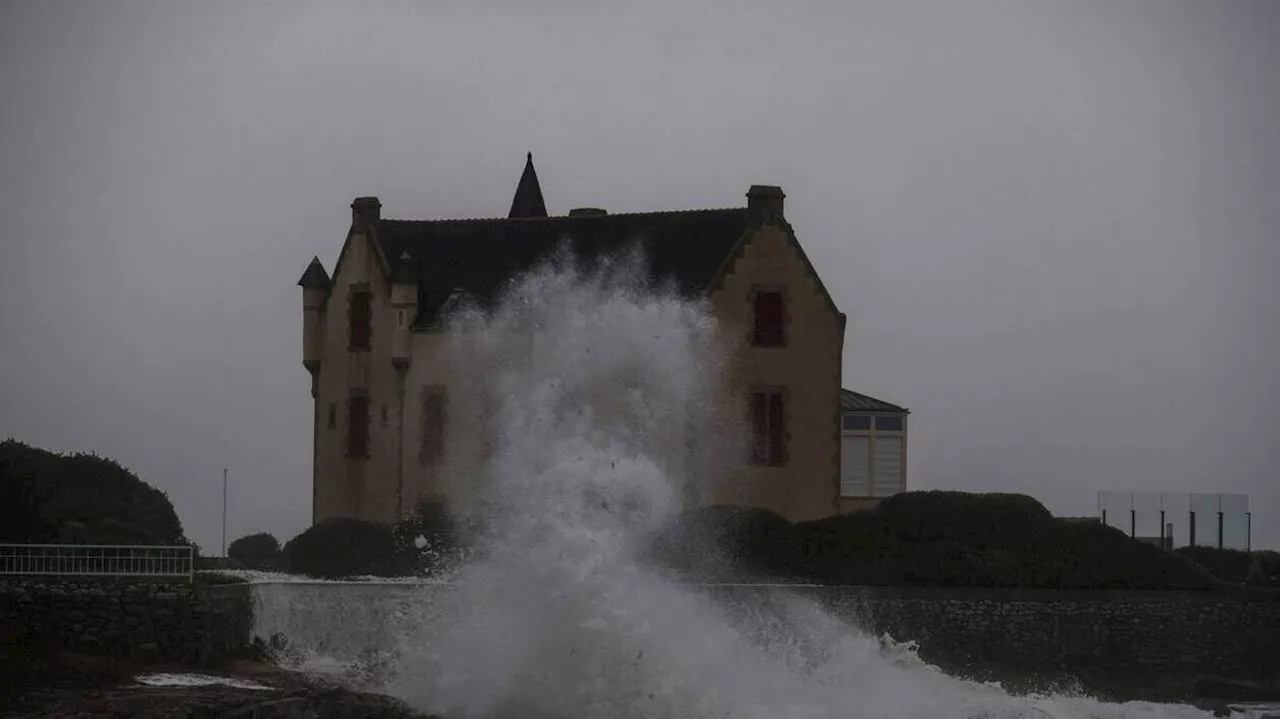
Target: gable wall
x=808 y=367
x=364 y=488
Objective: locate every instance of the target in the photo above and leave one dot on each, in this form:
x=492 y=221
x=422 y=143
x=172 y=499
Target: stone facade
x=402 y=366
x=1093 y=636
x=808 y=369
x=1115 y=642
x=139 y=620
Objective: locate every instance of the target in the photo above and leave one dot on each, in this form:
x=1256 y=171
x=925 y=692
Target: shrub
x=1229 y=565
x=441 y=551
x=725 y=542
x=255 y=551
x=336 y=548
x=941 y=563
x=79 y=498
x=1264 y=570
x=1092 y=555
x=982 y=521
x=844 y=549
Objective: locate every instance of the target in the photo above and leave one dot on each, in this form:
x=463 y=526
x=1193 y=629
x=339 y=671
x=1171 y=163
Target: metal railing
x=97 y=560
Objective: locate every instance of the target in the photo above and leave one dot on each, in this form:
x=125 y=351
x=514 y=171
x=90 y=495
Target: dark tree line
x=47 y=497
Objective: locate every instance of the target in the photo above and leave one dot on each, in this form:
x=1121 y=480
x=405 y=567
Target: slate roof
x=479 y=256
x=314 y=277
x=851 y=401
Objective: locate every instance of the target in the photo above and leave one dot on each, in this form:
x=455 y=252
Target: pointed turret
x=528 y=200
x=315 y=285
x=314 y=277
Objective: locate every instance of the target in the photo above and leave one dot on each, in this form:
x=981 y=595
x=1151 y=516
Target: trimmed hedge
x=928 y=538
x=336 y=548
x=1092 y=555
x=255 y=551
x=981 y=521
x=437 y=528
x=1256 y=569
x=725 y=542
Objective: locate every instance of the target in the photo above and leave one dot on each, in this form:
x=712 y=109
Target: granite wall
x=1090 y=635
x=186 y=623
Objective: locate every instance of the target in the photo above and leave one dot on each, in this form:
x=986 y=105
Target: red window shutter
x=769 y=317
x=358 y=427
x=361 y=319
x=777 y=430
x=760 y=428
x=432 y=427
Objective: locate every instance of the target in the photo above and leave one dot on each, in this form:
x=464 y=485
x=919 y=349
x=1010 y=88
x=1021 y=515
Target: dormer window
x=770 y=315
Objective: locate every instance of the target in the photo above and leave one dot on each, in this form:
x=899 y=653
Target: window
x=432 y=450
x=769 y=320
x=857 y=423
x=769 y=430
x=855 y=466
x=333 y=415
x=889 y=424
x=358 y=426
x=872 y=455
x=886 y=466
x=361 y=318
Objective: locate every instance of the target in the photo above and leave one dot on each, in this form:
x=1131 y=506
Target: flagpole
x=224 y=512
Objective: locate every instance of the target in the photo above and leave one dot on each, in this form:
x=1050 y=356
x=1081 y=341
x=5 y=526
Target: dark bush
x=79 y=498
x=844 y=549
x=1229 y=565
x=982 y=521
x=1264 y=570
x=336 y=548
x=728 y=543
x=439 y=532
x=1092 y=555
x=935 y=538
x=947 y=564
x=255 y=551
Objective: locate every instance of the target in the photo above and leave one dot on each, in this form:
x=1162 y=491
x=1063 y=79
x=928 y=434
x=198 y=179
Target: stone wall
x=1087 y=635
x=159 y=621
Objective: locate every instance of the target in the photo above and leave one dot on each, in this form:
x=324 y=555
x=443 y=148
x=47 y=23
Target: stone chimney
x=765 y=201
x=365 y=210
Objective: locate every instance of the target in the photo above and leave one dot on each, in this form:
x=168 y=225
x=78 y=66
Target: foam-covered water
x=604 y=397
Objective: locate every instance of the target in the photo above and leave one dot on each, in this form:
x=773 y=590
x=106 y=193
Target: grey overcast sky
x=1053 y=224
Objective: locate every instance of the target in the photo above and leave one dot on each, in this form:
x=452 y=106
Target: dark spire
x=315 y=277
x=528 y=200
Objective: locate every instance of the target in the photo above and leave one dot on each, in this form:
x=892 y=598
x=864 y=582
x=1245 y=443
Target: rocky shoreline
x=90 y=687
x=86 y=686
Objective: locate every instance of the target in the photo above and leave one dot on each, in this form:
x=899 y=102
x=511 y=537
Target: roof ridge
x=649 y=213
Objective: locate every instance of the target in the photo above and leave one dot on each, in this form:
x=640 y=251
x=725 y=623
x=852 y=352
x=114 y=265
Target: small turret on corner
x=315 y=284
x=404 y=302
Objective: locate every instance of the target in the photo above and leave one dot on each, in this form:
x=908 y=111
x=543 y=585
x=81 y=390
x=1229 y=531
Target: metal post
x=224 y=513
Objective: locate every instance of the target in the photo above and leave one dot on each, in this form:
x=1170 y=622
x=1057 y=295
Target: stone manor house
x=382 y=423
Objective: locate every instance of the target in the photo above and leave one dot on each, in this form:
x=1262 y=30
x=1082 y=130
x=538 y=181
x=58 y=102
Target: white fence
x=101 y=560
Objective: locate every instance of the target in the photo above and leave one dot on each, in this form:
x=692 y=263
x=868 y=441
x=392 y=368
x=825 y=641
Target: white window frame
x=873 y=434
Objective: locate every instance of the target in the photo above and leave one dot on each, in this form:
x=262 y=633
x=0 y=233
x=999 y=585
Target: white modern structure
x=1180 y=519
